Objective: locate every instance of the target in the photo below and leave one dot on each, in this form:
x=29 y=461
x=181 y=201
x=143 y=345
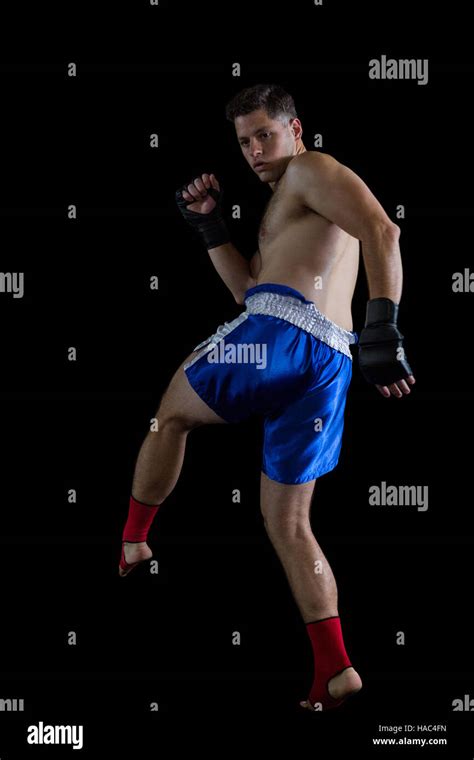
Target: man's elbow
x=394 y=229
x=240 y=297
x=382 y=229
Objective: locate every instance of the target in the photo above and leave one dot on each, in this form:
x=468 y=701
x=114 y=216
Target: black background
x=167 y=638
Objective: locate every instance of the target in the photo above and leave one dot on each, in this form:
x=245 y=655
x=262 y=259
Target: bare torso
x=305 y=251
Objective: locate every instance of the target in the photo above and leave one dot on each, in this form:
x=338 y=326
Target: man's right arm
x=237 y=272
x=200 y=204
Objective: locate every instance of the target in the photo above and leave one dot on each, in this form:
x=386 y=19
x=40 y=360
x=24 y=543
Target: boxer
x=296 y=291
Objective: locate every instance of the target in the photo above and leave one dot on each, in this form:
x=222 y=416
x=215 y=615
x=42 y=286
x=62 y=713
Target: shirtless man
x=297 y=290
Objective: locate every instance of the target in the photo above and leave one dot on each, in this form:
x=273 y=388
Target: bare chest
x=279 y=210
x=287 y=224
x=287 y=221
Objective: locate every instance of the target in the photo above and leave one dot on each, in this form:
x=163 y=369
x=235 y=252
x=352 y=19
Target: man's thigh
x=181 y=402
x=303 y=440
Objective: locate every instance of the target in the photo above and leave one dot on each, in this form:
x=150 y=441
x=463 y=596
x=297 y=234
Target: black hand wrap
x=211 y=226
x=381 y=355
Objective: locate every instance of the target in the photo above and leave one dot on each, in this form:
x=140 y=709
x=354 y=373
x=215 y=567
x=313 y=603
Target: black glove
x=381 y=355
x=211 y=226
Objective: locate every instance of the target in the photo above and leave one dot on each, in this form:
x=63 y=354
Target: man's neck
x=299 y=149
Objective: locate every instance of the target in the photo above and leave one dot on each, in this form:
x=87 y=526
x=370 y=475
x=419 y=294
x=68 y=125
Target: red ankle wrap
x=330 y=658
x=140 y=518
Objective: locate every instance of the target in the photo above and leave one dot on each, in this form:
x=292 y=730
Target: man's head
x=267 y=127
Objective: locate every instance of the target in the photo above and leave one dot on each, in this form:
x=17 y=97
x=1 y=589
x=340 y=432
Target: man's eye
x=263 y=134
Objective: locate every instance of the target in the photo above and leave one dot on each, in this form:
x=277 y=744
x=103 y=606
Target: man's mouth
x=259 y=165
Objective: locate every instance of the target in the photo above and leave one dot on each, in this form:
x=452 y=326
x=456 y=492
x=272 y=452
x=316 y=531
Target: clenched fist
x=200 y=203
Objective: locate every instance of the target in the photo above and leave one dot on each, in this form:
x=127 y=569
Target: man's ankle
x=317 y=615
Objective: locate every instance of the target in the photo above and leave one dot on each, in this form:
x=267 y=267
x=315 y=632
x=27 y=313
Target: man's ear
x=296 y=128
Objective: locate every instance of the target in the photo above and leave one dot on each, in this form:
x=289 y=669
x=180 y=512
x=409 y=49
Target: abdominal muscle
x=325 y=271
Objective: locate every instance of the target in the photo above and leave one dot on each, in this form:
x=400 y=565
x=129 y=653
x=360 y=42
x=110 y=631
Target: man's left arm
x=333 y=190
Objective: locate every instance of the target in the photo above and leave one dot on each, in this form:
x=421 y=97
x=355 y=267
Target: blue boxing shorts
x=283 y=359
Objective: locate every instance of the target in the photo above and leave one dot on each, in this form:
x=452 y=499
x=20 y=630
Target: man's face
x=266 y=140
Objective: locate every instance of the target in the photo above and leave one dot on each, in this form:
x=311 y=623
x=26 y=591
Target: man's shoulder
x=311 y=159
x=309 y=163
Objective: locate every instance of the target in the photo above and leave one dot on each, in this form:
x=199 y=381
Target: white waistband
x=304 y=315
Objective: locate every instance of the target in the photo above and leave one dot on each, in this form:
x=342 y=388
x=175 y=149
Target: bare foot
x=344 y=684
x=133 y=554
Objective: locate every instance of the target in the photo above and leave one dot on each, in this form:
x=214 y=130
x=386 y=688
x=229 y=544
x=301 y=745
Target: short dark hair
x=278 y=103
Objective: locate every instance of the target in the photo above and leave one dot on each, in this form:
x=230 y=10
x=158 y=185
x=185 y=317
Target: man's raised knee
x=173 y=419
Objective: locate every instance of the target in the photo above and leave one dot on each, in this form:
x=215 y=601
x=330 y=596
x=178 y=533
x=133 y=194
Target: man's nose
x=256 y=149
